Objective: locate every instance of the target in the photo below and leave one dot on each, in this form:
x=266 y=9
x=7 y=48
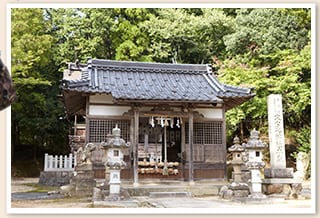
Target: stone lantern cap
x=236 y=147
x=254 y=142
x=115 y=141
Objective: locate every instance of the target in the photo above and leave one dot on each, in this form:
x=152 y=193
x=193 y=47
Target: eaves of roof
x=140 y=81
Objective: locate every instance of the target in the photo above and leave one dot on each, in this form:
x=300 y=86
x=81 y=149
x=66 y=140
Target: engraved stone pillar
x=276 y=140
x=276 y=132
x=278 y=176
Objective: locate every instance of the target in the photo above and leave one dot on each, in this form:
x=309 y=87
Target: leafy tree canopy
x=268 y=49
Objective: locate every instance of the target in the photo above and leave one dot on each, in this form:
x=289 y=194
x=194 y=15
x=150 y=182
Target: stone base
x=278 y=173
x=113 y=197
x=287 y=187
x=242 y=177
x=59 y=178
x=101 y=194
x=82 y=183
x=234 y=190
x=278 y=181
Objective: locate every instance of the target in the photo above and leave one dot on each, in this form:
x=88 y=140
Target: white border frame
x=187 y=211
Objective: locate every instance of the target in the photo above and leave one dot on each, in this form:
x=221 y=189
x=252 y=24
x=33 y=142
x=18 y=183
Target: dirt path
x=30 y=186
x=27 y=185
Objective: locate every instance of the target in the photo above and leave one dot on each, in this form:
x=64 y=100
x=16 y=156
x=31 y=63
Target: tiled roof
x=142 y=81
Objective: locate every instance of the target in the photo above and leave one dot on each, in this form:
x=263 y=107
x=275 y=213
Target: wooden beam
x=165 y=114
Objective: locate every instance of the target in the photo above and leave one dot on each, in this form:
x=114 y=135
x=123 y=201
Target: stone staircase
x=169 y=194
x=174 y=188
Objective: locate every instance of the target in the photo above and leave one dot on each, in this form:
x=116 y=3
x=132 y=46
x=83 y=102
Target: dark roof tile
x=154 y=81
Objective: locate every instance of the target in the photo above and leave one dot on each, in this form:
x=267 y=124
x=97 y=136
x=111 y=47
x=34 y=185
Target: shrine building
x=172 y=116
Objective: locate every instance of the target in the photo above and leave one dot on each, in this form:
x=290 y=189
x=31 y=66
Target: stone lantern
x=238 y=159
x=114 y=162
x=255 y=163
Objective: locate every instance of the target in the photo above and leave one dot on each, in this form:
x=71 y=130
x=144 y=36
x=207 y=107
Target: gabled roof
x=142 y=81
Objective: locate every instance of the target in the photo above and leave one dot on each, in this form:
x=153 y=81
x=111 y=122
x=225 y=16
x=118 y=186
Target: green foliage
x=262 y=48
x=284 y=72
x=265 y=30
x=128 y=39
x=178 y=36
x=80 y=33
x=30 y=47
x=36 y=114
x=303 y=140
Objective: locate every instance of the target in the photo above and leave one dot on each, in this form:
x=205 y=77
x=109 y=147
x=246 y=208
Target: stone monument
x=277 y=178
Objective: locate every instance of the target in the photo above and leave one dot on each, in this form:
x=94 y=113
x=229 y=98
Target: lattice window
x=99 y=129
x=206 y=133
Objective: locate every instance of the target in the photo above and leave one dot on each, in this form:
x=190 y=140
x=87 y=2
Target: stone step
x=169 y=194
x=195 y=191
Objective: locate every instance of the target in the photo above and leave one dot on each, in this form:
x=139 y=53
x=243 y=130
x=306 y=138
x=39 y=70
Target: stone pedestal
x=114 y=185
x=237 y=174
x=278 y=173
x=256 y=184
x=82 y=182
x=288 y=187
x=234 y=191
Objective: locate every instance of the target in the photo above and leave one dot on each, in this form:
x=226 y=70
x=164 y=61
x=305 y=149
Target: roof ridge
x=154 y=66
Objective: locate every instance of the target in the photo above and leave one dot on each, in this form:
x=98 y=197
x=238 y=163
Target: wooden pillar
x=183 y=147
x=224 y=143
x=87 y=120
x=191 y=171
x=75 y=125
x=135 y=146
x=131 y=141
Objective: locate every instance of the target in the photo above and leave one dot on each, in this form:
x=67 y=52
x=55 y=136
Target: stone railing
x=59 y=163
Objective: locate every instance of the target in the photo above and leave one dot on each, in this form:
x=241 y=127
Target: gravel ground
x=25 y=195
